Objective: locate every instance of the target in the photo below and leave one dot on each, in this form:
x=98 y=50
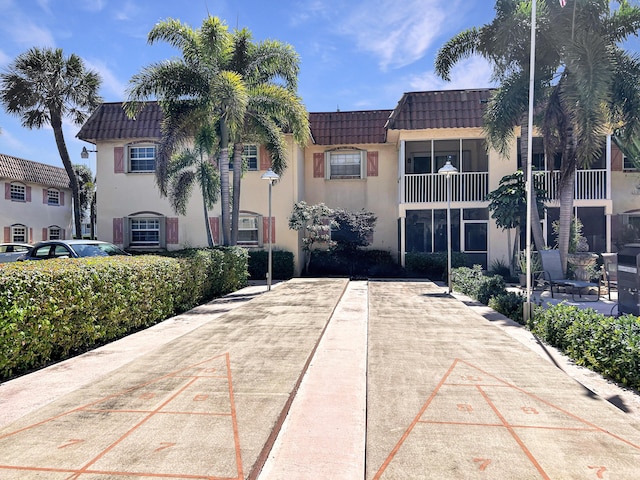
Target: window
x=628 y=164
x=55 y=233
x=18 y=192
x=145 y=232
x=249 y=158
x=142 y=159
x=19 y=234
x=53 y=197
x=248 y=231
x=345 y=164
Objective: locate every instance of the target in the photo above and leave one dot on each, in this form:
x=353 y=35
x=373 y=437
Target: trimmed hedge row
x=281 y=264
x=608 y=345
x=52 y=309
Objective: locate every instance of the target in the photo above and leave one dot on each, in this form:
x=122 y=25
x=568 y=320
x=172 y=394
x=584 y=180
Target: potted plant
x=536 y=266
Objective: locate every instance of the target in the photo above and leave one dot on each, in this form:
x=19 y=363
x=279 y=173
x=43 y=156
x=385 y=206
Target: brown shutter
x=118 y=160
x=7 y=234
x=616 y=159
x=63 y=234
x=45 y=232
x=265 y=229
x=7 y=191
x=61 y=198
x=318 y=165
x=28 y=194
x=118 y=236
x=372 y=164
x=30 y=240
x=265 y=158
x=214 y=223
x=172 y=230
x=45 y=195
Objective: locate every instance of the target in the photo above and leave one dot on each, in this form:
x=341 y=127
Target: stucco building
x=37 y=202
x=383 y=161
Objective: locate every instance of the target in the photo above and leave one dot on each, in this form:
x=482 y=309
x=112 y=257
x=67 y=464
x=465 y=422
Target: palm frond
x=461 y=46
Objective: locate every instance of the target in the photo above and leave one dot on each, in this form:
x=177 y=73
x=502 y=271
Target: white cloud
x=474 y=72
x=114 y=87
x=29 y=35
x=398 y=33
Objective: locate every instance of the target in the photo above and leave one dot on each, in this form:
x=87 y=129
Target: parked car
x=10 y=252
x=71 y=249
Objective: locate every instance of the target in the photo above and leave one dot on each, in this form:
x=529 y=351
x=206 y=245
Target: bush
x=432 y=265
x=56 y=308
x=608 y=345
x=509 y=304
x=281 y=264
x=490 y=287
x=357 y=264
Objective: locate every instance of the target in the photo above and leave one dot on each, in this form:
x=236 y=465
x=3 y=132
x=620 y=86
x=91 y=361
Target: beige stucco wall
x=377 y=194
x=37 y=214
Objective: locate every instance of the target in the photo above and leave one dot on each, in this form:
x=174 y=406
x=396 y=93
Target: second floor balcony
x=474 y=186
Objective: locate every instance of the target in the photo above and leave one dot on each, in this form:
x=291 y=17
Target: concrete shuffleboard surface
x=451 y=396
x=206 y=405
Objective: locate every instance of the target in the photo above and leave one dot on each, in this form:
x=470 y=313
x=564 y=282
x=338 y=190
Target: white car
x=9 y=252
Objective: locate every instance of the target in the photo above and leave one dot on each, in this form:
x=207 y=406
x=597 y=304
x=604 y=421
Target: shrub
x=467 y=280
x=490 y=287
x=55 y=308
x=608 y=345
x=509 y=304
x=281 y=264
x=432 y=265
x=360 y=263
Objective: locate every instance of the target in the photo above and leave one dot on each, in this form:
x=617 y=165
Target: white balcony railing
x=590 y=185
x=432 y=187
x=474 y=186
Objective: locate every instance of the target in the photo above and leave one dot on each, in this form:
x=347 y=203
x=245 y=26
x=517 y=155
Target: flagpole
x=529 y=183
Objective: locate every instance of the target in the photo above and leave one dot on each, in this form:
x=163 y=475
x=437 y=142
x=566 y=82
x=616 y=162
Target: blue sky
x=355 y=55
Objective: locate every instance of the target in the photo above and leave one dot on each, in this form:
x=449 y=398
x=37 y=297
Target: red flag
x=563 y=3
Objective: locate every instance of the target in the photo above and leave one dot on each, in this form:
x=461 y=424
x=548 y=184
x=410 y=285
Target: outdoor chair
x=610 y=271
x=551 y=275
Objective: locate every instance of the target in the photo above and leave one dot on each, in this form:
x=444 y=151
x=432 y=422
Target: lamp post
x=271 y=177
x=447 y=169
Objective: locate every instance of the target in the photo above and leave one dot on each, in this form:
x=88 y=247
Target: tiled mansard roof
x=415 y=111
x=13 y=168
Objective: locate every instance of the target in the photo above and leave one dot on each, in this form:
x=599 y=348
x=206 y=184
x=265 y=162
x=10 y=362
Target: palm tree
x=190 y=167
x=86 y=188
x=270 y=72
x=585 y=83
x=42 y=87
x=193 y=91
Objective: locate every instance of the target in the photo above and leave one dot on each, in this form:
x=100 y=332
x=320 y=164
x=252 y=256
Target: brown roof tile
x=109 y=122
x=439 y=109
x=14 y=168
x=340 y=128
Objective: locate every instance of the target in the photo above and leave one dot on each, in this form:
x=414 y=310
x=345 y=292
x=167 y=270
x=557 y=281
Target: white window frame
x=54 y=232
x=244 y=226
x=53 y=196
x=144 y=224
x=362 y=154
x=628 y=165
x=19 y=234
x=139 y=148
x=246 y=156
x=18 y=192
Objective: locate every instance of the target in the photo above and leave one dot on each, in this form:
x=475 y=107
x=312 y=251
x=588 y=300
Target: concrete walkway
x=317 y=379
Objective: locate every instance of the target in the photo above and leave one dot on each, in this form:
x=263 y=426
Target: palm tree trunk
x=566 y=216
x=56 y=125
x=536 y=228
x=223 y=166
x=206 y=223
x=237 y=177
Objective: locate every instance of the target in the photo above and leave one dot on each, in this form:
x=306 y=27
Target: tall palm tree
x=190 y=167
x=43 y=87
x=585 y=83
x=193 y=90
x=269 y=70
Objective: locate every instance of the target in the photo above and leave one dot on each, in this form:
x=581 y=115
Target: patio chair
x=610 y=272
x=551 y=275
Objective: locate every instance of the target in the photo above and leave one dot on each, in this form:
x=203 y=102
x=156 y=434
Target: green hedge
x=432 y=265
x=354 y=264
x=608 y=345
x=281 y=263
x=52 y=309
